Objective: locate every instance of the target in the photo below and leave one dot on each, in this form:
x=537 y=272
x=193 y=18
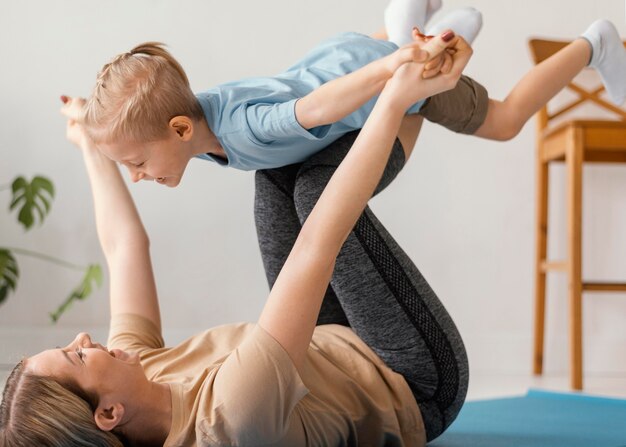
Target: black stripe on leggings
x=420 y=316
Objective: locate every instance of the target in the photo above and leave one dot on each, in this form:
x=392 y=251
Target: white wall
x=463 y=208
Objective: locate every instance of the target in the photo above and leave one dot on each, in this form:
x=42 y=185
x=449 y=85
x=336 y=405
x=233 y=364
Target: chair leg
x=541 y=239
x=574 y=159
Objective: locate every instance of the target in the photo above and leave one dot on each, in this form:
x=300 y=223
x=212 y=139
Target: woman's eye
x=80 y=354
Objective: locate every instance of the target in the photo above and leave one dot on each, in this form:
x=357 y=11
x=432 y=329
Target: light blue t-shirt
x=254 y=119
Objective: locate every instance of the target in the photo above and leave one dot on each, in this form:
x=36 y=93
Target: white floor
x=489 y=385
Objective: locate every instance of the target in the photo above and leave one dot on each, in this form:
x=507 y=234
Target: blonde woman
x=383 y=364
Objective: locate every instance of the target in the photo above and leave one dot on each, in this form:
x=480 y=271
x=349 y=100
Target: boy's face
x=162 y=161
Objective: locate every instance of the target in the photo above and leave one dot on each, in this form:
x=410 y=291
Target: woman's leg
x=277 y=222
x=278 y=226
x=387 y=301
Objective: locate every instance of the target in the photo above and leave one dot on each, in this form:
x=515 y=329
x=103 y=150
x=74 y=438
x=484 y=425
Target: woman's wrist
x=392 y=102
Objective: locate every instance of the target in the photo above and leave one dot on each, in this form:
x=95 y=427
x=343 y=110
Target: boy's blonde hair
x=137 y=94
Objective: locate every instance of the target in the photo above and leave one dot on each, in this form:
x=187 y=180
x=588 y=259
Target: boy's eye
x=138 y=165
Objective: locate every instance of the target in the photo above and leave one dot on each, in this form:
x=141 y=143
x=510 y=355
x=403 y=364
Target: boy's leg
x=506 y=118
x=462 y=109
x=388 y=302
x=467 y=108
x=409 y=130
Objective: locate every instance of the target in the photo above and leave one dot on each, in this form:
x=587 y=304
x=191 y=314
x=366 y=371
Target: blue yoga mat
x=539 y=419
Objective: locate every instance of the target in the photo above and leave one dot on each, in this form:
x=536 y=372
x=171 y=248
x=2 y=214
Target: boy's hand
x=411 y=52
x=72 y=109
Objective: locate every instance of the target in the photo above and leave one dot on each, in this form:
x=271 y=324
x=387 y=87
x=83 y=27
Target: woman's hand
x=441 y=63
x=72 y=109
x=409 y=85
x=413 y=52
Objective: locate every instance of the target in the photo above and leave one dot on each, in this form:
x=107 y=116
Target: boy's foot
x=466 y=22
x=608 y=56
x=401 y=16
x=433 y=7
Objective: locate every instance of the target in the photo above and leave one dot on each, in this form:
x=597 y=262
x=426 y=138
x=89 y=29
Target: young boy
x=143 y=114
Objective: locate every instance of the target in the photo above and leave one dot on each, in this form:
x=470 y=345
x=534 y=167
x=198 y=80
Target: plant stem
x=35 y=254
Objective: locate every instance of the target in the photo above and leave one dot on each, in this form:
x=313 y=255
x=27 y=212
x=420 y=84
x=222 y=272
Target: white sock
x=466 y=22
x=608 y=57
x=402 y=15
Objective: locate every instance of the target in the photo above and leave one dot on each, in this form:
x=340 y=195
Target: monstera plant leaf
x=32 y=199
x=93 y=276
x=9 y=273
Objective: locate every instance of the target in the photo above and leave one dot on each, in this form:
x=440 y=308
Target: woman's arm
x=122 y=237
x=291 y=310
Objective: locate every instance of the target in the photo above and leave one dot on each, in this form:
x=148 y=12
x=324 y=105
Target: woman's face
x=90 y=366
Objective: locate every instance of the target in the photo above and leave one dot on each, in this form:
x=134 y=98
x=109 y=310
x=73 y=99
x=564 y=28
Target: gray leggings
x=376 y=289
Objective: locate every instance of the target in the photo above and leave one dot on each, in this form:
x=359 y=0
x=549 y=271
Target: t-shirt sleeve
x=133 y=332
x=271 y=122
x=254 y=393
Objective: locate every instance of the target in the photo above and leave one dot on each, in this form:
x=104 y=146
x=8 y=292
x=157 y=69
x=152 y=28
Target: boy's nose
x=135 y=176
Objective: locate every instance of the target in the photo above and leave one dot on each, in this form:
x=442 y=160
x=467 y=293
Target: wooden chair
x=574 y=142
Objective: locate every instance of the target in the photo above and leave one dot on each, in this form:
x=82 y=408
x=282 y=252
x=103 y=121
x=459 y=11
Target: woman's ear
x=109 y=417
x=183 y=126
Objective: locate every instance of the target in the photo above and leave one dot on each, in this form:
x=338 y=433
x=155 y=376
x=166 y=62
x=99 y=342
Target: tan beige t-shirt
x=235 y=385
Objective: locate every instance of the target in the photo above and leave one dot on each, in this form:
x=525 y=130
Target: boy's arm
x=340 y=97
x=291 y=311
x=122 y=236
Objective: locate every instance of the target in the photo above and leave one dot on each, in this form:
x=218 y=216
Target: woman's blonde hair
x=39 y=411
x=137 y=94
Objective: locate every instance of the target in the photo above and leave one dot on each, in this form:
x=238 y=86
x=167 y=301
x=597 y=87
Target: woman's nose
x=82 y=339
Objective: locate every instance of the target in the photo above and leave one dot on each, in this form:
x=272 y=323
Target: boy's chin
x=170 y=182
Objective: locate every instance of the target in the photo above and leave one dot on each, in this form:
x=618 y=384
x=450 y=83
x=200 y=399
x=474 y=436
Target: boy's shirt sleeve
x=268 y=135
x=267 y=123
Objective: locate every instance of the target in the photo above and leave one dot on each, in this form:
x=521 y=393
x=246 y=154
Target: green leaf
x=30 y=197
x=44 y=183
x=92 y=276
x=9 y=273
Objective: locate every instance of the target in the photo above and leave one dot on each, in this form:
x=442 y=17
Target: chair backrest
x=542 y=49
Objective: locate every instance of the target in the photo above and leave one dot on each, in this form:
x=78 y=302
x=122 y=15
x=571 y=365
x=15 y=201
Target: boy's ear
x=108 y=417
x=183 y=126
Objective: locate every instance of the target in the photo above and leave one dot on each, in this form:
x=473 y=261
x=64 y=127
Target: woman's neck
x=150 y=420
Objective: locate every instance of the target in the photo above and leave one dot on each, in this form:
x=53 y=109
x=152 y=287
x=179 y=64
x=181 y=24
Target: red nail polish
x=447 y=36
x=64 y=99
